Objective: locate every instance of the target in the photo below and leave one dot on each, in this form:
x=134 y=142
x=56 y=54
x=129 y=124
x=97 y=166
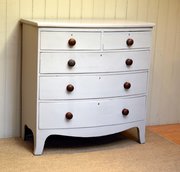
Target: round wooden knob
x=129 y=62
x=129 y=42
x=70 y=88
x=125 y=112
x=127 y=85
x=71 y=63
x=71 y=42
x=69 y=115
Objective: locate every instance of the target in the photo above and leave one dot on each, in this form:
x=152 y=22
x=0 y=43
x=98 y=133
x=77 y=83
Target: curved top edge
x=86 y=23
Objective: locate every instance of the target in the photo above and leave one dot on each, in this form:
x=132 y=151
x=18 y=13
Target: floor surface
x=170 y=132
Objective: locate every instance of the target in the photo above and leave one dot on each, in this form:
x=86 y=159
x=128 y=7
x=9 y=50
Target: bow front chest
x=84 y=78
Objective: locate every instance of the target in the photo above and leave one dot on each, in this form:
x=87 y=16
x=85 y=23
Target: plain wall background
x=164 y=104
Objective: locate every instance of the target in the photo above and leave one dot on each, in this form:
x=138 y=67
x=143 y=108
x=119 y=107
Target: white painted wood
x=86 y=23
x=93 y=61
x=39 y=141
x=29 y=78
x=117 y=40
x=98 y=78
x=94 y=131
x=91 y=86
x=59 y=40
x=88 y=132
x=141 y=132
x=90 y=113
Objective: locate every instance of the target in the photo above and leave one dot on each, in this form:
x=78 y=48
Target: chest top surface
x=86 y=23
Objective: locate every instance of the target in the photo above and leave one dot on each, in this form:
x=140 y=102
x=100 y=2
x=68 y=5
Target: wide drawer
x=72 y=62
x=56 y=40
x=118 y=40
x=91 y=86
x=91 y=113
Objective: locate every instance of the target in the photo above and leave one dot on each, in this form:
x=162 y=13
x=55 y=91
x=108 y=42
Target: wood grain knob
x=125 y=112
x=72 y=42
x=70 y=88
x=127 y=85
x=69 y=115
x=71 y=63
x=129 y=62
x=129 y=42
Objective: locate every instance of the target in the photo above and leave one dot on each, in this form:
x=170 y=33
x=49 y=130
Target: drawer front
x=91 y=113
x=60 y=40
x=93 y=62
x=91 y=86
x=118 y=40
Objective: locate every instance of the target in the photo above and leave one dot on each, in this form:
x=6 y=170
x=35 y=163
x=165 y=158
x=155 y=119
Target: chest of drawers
x=84 y=78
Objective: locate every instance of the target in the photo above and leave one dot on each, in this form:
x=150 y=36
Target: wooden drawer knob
x=125 y=112
x=69 y=115
x=129 y=42
x=127 y=85
x=71 y=63
x=70 y=88
x=71 y=42
x=129 y=62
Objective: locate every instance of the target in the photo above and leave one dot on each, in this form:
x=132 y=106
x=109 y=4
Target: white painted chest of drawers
x=84 y=78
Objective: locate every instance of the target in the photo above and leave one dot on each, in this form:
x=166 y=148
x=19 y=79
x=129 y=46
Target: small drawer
x=126 y=40
x=92 y=86
x=57 y=40
x=93 y=62
x=91 y=113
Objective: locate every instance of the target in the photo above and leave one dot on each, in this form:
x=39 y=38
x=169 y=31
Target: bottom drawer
x=91 y=113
